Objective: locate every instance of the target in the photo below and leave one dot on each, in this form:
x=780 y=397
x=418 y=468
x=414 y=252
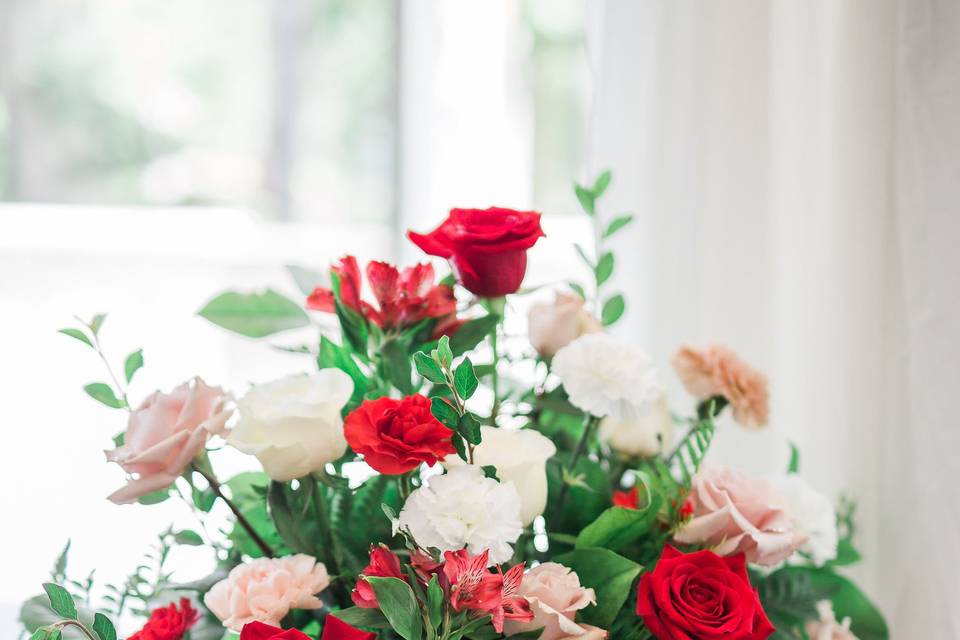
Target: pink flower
x=266 y=589
x=718 y=371
x=555 y=595
x=165 y=433
x=554 y=325
x=590 y=632
x=734 y=512
x=384 y=564
x=474 y=588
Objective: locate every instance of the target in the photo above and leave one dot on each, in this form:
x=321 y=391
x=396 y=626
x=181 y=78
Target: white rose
x=554 y=325
x=605 y=377
x=520 y=456
x=813 y=514
x=463 y=508
x=644 y=436
x=293 y=425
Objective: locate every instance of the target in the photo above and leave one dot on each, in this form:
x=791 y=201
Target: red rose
x=337 y=629
x=487 y=247
x=260 y=631
x=395 y=436
x=169 y=622
x=383 y=564
x=701 y=595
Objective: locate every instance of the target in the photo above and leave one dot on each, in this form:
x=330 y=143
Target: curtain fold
x=794 y=171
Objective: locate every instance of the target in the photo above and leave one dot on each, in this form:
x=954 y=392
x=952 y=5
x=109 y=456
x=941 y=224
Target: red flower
x=261 y=631
x=474 y=588
x=169 y=622
x=701 y=595
x=395 y=436
x=487 y=247
x=384 y=564
x=336 y=629
x=626 y=499
x=403 y=298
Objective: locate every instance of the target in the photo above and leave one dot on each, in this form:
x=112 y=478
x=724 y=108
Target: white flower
x=293 y=424
x=605 y=377
x=813 y=514
x=644 y=436
x=520 y=456
x=463 y=508
x=828 y=628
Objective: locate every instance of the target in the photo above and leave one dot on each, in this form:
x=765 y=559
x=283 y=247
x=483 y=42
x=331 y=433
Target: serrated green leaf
x=76 y=334
x=616 y=224
x=601 y=183
x=469 y=428
x=465 y=380
x=104 y=394
x=428 y=368
x=132 y=364
x=103 y=627
x=60 y=600
x=398 y=605
x=586 y=199
x=612 y=310
x=254 y=315
x=604 y=268
x=444 y=412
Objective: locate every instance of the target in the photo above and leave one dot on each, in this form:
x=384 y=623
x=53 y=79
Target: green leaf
x=461 y=447
x=443 y=412
x=60 y=600
x=39 y=634
x=604 y=268
x=472 y=333
x=399 y=606
x=490 y=471
x=434 y=602
x=578 y=289
x=847 y=554
x=612 y=310
x=254 y=315
x=132 y=364
x=465 y=380
x=333 y=356
x=306 y=279
x=428 y=368
x=586 y=199
x=103 y=627
x=444 y=351
x=104 y=394
x=96 y=322
x=583 y=255
x=360 y=617
x=469 y=428
x=188 y=537
x=607 y=573
x=76 y=334
x=601 y=183
x=154 y=497
x=867 y=622
x=794 y=466
x=396 y=364
x=618 y=526
x=616 y=224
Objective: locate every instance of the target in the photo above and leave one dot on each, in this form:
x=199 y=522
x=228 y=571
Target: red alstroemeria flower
x=628 y=499
x=403 y=298
x=168 y=623
x=513 y=606
x=474 y=588
x=383 y=564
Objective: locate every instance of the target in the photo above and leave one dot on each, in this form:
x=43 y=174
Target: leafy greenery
x=254 y=315
x=610 y=575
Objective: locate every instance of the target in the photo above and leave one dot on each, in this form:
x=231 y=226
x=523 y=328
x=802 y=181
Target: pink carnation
x=718 y=371
x=266 y=589
x=734 y=512
x=165 y=433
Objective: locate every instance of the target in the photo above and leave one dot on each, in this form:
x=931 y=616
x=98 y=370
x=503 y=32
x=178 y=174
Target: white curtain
x=795 y=170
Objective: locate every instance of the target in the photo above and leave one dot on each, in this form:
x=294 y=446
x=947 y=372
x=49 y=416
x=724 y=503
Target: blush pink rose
x=554 y=325
x=734 y=512
x=266 y=589
x=590 y=632
x=718 y=371
x=555 y=595
x=165 y=433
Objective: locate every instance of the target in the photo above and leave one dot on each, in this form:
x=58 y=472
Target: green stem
x=495 y=375
x=73 y=623
x=589 y=423
x=323 y=519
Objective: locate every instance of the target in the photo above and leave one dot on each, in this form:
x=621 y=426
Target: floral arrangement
x=437 y=478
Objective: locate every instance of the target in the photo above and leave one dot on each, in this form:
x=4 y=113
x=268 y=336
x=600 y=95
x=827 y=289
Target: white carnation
x=605 y=377
x=812 y=514
x=463 y=508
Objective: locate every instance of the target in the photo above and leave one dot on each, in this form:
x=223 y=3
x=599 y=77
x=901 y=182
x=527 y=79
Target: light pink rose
x=554 y=325
x=718 y=371
x=555 y=596
x=827 y=628
x=589 y=633
x=266 y=589
x=734 y=512
x=165 y=433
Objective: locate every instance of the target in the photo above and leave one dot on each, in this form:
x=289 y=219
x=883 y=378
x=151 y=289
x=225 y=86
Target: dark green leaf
x=60 y=600
x=203 y=499
x=472 y=333
x=618 y=526
x=396 y=364
x=103 y=627
x=154 y=497
x=601 y=184
x=586 y=199
x=428 y=368
x=333 y=356
x=76 y=334
x=604 y=268
x=461 y=446
x=490 y=471
x=867 y=622
x=444 y=412
x=616 y=224
x=847 y=554
x=612 y=310
x=469 y=428
x=607 y=573
x=360 y=617
x=132 y=364
x=188 y=537
x=399 y=606
x=465 y=380
x=104 y=394
x=254 y=315
x=434 y=602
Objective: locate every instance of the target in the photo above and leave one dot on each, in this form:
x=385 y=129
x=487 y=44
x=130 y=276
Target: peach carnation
x=718 y=371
